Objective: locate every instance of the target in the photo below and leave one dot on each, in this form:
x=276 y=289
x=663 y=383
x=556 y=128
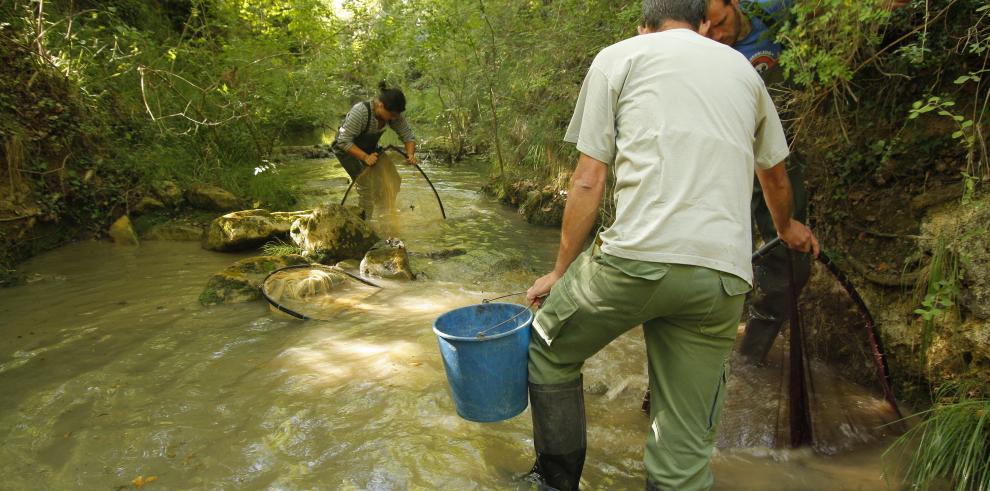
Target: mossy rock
x=241 y=281
x=248 y=229
x=332 y=233
x=206 y=197
x=122 y=232
x=387 y=259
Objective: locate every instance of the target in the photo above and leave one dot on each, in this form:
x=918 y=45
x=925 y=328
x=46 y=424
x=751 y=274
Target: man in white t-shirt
x=683 y=122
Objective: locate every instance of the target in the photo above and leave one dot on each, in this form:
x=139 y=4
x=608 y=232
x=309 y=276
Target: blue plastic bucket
x=487 y=374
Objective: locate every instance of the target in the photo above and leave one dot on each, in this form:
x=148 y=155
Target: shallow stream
x=112 y=375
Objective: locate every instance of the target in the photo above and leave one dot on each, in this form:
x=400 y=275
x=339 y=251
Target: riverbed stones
x=174 y=230
x=539 y=206
x=304 y=152
x=207 y=197
x=241 y=281
x=387 y=259
x=122 y=232
x=147 y=204
x=168 y=193
x=248 y=229
x=332 y=233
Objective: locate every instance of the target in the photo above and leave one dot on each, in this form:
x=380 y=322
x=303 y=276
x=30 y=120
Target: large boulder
x=241 y=281
x=387 y=259
x=332 y=233
x=206 y=197
x=122 y=232
x=248 y=229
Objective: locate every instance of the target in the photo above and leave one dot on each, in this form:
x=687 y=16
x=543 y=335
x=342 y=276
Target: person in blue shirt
x=747 y=26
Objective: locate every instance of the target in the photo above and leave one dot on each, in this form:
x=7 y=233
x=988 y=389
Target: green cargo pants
x=690 y=317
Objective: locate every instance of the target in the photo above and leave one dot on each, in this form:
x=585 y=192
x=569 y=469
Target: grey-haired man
x=683 y=122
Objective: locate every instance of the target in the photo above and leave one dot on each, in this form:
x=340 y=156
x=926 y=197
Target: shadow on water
x=111 y=370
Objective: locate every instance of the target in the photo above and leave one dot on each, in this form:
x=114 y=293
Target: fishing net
x=389 y=212
x=823 y=388
x=315 y=291
x=849 y=397
x=382 y=183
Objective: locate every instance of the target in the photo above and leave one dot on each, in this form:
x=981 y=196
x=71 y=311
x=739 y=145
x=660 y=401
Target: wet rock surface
x=174 y=230
x=387 y=259
x=241 y=281
x=248 y=229
x=122 y=232
x=206 y=197
x=332 y=233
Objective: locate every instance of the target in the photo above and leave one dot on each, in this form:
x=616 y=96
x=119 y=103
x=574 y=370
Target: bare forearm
x=356 y=152
x=780 y=201
x=411 y=152
x=778 y=194
x=580 y=213
x=583 y=199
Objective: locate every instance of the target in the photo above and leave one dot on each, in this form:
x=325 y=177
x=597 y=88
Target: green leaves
x=944 y=107
x=824 y=39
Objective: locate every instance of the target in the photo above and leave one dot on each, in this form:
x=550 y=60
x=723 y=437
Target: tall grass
x=952 y=443
x=940 y=289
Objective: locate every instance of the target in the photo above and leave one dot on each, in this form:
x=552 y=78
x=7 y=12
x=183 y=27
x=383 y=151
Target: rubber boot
x=559 y=429
x=761 y=331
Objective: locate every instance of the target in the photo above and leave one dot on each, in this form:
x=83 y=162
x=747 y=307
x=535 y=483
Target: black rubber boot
x=558 y=433
x=761 y=331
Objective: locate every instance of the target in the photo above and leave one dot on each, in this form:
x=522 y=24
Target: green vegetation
x=101 y=100
x=280 y=248
x=941 y=291
x=952 y=443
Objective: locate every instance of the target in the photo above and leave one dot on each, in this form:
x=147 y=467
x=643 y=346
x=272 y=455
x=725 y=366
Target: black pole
x=799 y=411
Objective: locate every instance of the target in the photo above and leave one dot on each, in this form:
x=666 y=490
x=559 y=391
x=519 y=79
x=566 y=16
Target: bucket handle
x=482 y=332
x=490 y=300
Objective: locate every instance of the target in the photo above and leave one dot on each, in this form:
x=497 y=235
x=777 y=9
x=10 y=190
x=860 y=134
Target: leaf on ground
x=140 y=481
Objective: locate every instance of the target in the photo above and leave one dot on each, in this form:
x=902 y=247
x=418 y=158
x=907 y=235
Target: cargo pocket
x=554 y=314
x=715 y=413
x=733 y=285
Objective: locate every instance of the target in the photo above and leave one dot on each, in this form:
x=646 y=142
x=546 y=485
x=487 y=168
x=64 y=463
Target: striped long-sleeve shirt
x=358 y=122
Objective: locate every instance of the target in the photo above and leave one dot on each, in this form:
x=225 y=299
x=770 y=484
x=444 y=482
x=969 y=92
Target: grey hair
x=656 y=12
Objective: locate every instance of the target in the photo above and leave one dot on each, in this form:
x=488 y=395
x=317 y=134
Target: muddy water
x=110 y=370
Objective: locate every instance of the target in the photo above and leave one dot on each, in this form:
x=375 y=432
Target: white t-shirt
x=683 y=119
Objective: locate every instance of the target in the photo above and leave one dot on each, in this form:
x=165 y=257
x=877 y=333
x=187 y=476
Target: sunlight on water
x=111 y=370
